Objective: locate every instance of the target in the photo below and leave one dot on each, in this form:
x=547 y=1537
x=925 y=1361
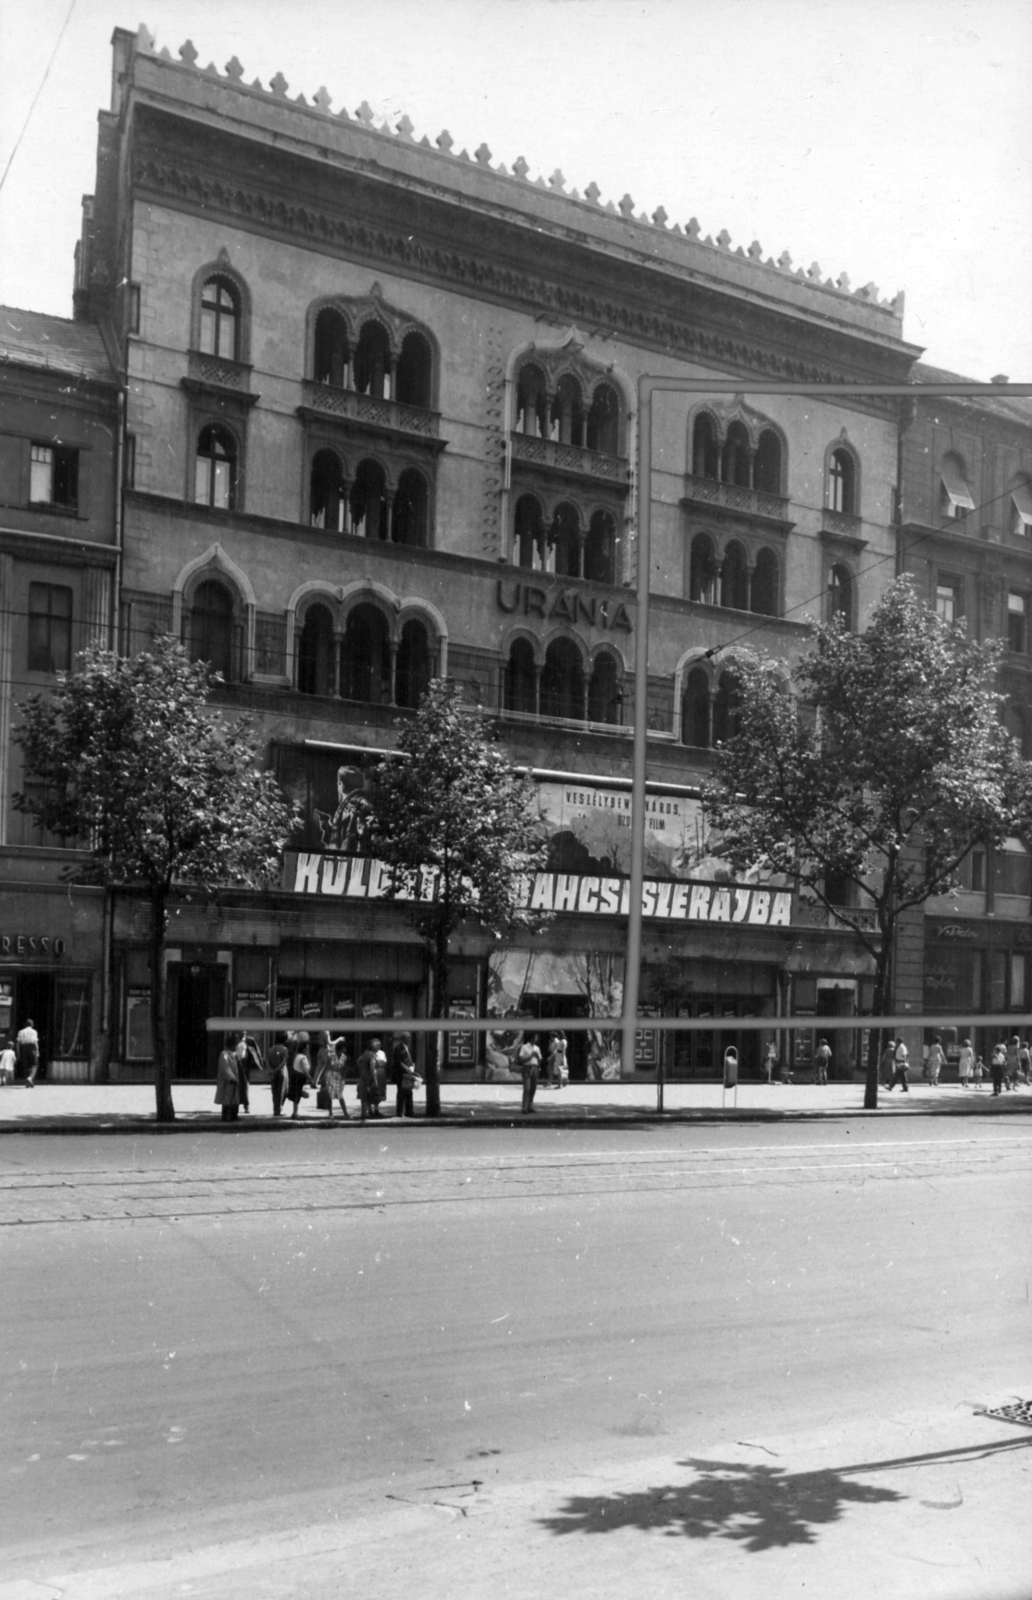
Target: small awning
x=1022 y=497
x=957 y=490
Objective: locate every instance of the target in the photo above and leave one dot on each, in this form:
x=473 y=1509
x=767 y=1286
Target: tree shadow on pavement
x=760 y=1507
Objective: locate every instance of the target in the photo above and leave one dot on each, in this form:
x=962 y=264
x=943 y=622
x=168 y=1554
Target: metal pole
x=632 y=960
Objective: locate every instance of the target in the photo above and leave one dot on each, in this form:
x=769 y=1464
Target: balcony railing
x=570 y=458
x=219 y=372
x=737 y=497
x=842 y=523
x=365 y=408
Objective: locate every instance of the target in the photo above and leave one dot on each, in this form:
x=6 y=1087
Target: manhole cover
x=1019 y=1411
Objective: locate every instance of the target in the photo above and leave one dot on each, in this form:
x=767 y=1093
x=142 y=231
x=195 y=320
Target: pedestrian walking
x=7 y=1061
x=329 y=1079
x=965 y=1064
x=821 y=1062
x=277 y=1064
x=935 y=1063
x=529 y=1061
x=998 y=1066
x=1012 y=1059
x=978 y=1072
x=227 y=1083
x=887 y=1065
x=249 y=1059
x=403 y=1071
x=770 y=1061
x=28 y=1052
x=299 y=1071
x=370 y=1091
x=900 y=1062
x=1025 y=1061
x=558 y=1072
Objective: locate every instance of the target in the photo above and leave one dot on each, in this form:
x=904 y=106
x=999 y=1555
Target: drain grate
x=1020 y=1412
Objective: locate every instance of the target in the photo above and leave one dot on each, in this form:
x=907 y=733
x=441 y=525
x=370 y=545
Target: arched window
x=765 y=584
x=365 y=657
x=702 y=573
x=705 y=449
x=529 y=534
x=520 y=688
x=315 y=652
x=564 y=536
x=840 y=596
x=215 y=476
x=220 y=319
x=411 y=510
x=531 y=402
x=725 y=708
x=842 y=483
x=413 y=670
x=562 y=681
x=414 y=376
x=695 y=710
x=735 y=464
x=369 y=501
x=767 y=465
x=568 y=412
x=373 y=362
x=605 y=698
x=600 y=549
x=734 y=578
x=603 y=428
x=211 y=627
x=329 y=498
x=331 y=348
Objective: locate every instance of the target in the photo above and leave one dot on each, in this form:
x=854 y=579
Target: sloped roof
x=1016 y=410
x=53 y=344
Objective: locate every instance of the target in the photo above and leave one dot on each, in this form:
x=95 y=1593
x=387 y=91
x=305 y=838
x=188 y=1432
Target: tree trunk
x=438 y=997
x=164 y=1109
x=882 y=1006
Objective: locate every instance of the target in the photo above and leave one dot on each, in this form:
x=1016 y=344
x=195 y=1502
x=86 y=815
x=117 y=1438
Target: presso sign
x=669 y=900
x=30 y=944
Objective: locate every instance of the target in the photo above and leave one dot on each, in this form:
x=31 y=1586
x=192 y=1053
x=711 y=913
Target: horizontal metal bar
x=1009 y=1022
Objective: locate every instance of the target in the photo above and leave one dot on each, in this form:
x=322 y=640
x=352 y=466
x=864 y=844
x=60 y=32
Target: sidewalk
x=111 y=1107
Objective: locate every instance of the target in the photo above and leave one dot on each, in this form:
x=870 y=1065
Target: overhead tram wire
x=35 y=98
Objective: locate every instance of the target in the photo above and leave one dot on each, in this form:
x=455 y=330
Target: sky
x=890 y=139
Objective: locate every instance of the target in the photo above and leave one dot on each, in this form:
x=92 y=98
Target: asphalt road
x=716 y=1361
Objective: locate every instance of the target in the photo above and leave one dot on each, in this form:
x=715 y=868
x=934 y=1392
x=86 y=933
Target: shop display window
x=139 y=1037
x=73 y=1018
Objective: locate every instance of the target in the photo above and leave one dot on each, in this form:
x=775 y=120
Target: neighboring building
x=380 y=423
x=966 y=535
x=58 y=570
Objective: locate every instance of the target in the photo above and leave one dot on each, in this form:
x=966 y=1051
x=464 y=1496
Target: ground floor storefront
x=982 y=967
x=51 y=974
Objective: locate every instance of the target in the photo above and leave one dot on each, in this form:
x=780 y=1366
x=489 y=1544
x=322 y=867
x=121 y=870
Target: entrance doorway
x=197 y=991
x=34 y=998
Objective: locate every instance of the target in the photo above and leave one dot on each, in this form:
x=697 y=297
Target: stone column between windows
x=538 y=669
x=338 y=647
x=392 y=647
x=6 y=679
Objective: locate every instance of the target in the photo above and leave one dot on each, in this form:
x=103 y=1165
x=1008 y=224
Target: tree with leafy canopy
x=127 y=757
x=884 y=770
x=448 y=803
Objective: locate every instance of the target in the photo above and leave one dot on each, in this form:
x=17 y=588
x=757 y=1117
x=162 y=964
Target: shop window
x=373 y=362
x=702 y=571
x=603 y=425
x=1018 y=975
x=1011 y=869
x=564 y=536
x=767 y=465
x=315 y=653
x=365 y=657
x=695 y=710
x=600 y=549
x=948 y=603
x=414 y=666
x=842 y=483
x=705 y=447
x=531 y=402
x=520 y=688
x=414 y=377
x=562 y=682
x=331 y=349
x=955 y=500
x=725 y=709
x=329 y=496
x=220 y=319
x=1021 y=508
x=369 y=500
x=568 y=412
x=54 y=476
x=50 y=628
x=210 y=626
x=840 y=596
x=529 y=534
x=764 y=588
x=1017 y=631
x=72 y=1015
x=411 y=510
x=734 y=578
x=605 y=698
x=215 y=477
x=735 y=457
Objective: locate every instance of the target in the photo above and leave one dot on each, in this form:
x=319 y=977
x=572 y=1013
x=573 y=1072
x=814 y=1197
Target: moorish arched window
x=414 y=667
x=365 y=656
x=315 y=653
x=520 y=688
x=210 y=627
x=562 y=681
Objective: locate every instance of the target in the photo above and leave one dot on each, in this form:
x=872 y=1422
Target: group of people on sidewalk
x=293 y=1075
x=1010 y=1063
x=529 y=1061
x=23 y=1052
